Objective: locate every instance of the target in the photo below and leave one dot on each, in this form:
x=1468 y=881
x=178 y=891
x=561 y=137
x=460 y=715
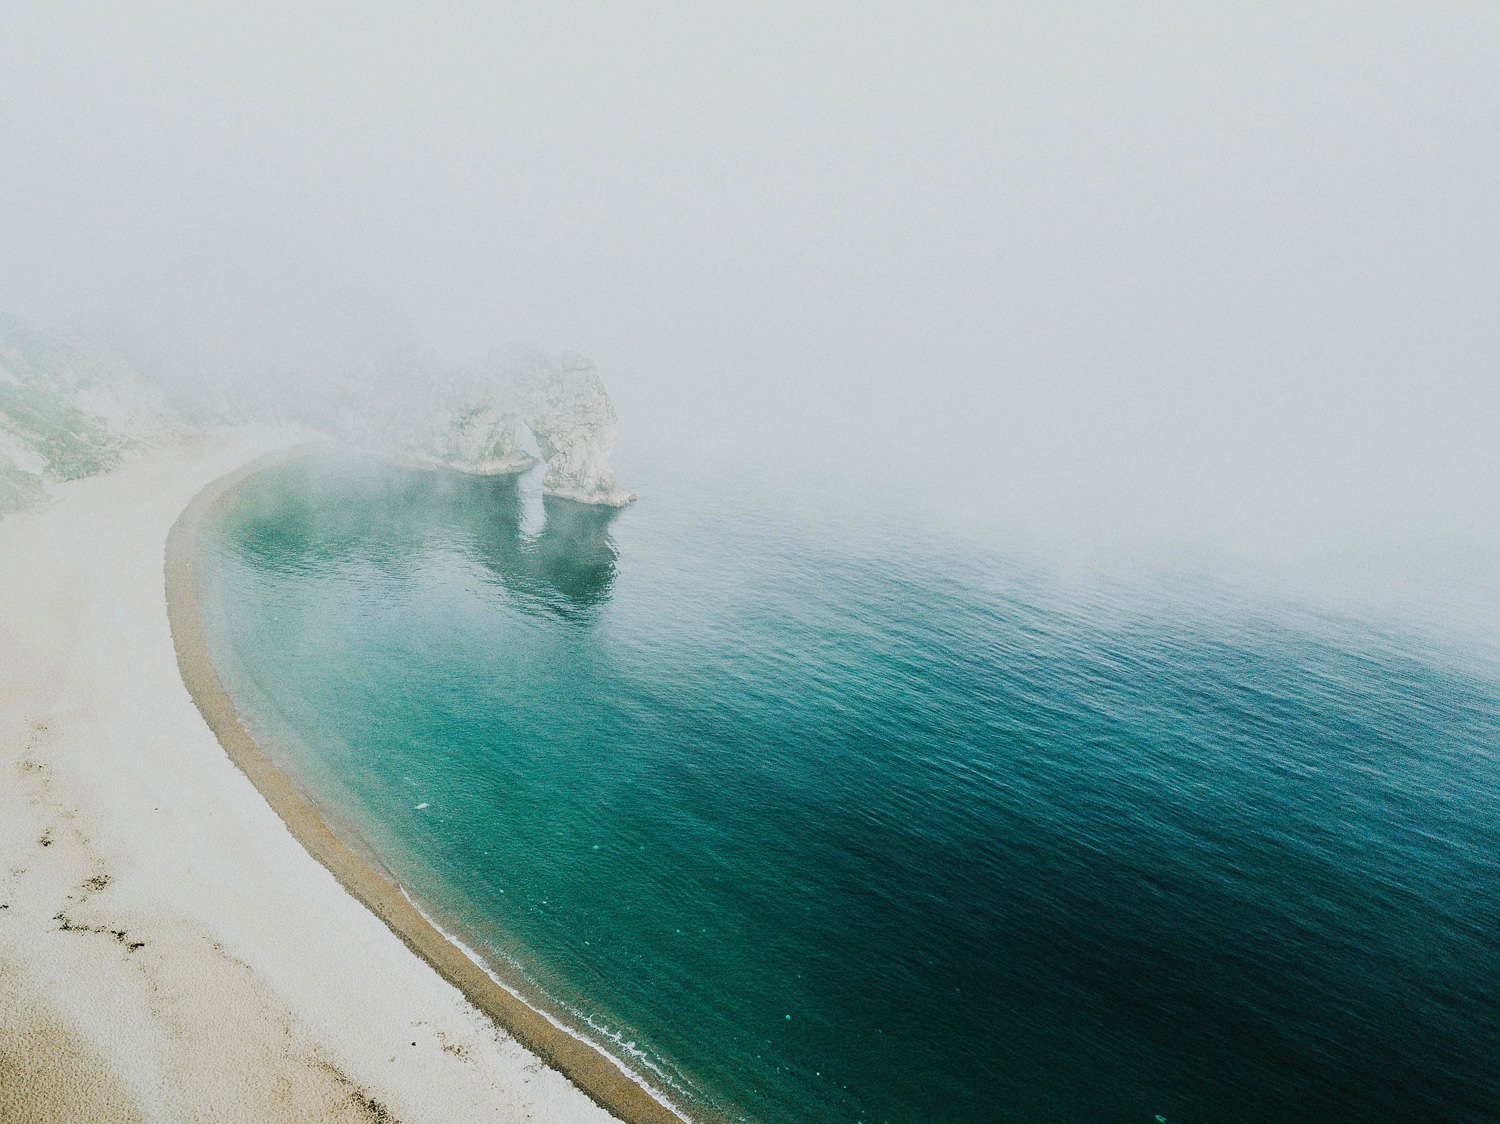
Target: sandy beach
x=169 y=951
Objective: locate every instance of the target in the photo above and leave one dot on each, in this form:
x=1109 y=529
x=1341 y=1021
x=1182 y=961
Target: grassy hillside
x=64 y=414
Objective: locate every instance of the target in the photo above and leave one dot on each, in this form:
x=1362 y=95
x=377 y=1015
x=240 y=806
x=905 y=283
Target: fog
x=1189 y=281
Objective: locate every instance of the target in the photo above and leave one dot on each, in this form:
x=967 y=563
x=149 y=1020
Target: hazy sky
x=1163 y=276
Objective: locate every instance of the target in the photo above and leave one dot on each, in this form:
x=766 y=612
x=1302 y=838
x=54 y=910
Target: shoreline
x=604 y=1079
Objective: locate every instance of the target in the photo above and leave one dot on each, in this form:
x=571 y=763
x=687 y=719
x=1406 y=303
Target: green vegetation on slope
x=18 y=488
x=52 y=396
x=73 y=444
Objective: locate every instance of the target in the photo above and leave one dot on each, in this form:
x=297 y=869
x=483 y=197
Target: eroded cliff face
x=71 y=410
x=476 y=423
x=475 y=434
x=562 y=401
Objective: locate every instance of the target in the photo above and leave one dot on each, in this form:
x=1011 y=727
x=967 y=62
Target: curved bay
x=835 y=824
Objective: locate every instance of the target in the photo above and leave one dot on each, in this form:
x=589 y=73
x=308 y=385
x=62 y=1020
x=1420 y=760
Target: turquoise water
x=830 y=823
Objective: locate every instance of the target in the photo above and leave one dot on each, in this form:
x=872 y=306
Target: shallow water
x=829 y=823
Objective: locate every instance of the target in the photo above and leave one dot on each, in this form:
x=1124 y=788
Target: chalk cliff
x=68 y=411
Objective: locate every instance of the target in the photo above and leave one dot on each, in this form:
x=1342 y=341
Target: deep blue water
x=834 y=823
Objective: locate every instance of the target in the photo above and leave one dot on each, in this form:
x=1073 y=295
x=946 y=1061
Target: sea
x=839 y=820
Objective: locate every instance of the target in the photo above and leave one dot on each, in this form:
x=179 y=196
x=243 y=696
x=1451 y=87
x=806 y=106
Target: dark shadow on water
x=348 y=513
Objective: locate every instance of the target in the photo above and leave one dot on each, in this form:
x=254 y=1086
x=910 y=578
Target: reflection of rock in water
x=567 y=568
x=574 y=551
x=376 y=514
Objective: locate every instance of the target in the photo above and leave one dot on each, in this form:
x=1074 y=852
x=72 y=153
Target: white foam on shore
x=479 y=962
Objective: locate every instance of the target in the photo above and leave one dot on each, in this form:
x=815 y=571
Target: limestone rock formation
x=68 y=411
x=476 y=426
x=474 y=433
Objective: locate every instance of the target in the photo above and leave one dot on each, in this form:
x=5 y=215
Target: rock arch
x=560 y=400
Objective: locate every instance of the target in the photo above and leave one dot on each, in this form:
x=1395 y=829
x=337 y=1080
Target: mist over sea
x=824 y=823
x=846 y=823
